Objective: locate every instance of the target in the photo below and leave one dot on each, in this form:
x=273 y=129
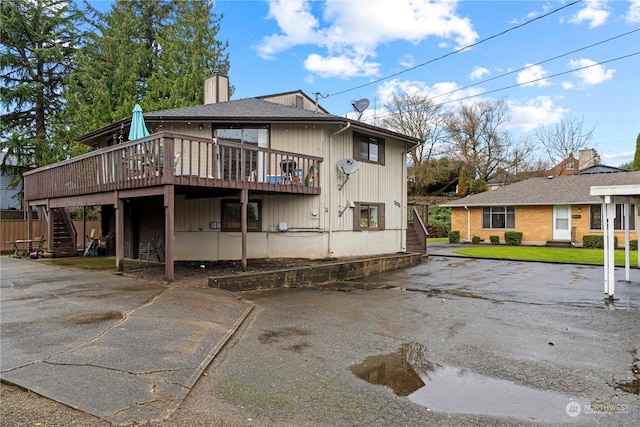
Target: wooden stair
x=413 y=241
x=63 y=239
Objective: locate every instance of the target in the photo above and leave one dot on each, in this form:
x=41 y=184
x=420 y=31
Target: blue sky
x=332 y=47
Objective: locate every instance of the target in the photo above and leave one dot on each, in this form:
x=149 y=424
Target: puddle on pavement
x=409 y=373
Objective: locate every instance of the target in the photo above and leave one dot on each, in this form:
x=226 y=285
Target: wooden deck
x=171 y=159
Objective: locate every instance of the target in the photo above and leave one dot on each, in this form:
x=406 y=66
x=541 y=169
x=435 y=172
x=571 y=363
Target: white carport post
x=626 y=212
x=625 y=194
x=608 y=218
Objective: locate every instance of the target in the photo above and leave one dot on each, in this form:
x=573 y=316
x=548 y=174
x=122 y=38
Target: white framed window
x=499 y=217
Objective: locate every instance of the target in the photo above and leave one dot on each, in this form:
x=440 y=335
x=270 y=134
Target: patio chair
x=92 y=246
x=153 y=248
x=104 y=243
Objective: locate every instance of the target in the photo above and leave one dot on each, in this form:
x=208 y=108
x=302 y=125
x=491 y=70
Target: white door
x=562 y=222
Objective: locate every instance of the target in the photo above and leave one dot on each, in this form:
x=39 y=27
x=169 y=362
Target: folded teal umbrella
x=138 y=129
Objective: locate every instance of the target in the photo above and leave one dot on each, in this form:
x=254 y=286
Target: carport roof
x=569 y=189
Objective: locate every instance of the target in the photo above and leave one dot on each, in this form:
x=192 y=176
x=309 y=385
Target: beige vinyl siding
x=291 y=101
x=372 y=183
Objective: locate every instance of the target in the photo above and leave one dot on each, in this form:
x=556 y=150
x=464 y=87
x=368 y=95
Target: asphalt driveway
x=451 y=341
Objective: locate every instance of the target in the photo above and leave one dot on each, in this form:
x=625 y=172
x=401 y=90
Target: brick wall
x=535 y=223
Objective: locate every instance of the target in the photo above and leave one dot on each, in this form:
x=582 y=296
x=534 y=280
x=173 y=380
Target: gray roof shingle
x=246 y=109
x=569 y=189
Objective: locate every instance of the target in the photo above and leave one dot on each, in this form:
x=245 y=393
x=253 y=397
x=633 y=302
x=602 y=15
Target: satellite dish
x=360 y=105
x=347 y=167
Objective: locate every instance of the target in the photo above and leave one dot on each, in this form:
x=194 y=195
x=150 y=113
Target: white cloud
x=595 y=13
x=478 y=73
x=440 y=92
x=533 y=113
x=407 y=61
x=633 y=14
x=623 y=157
x=340 y=66
x=593 y=75
x=349 y=30
x=567 y=85
x=533 y=75
x=297 y=23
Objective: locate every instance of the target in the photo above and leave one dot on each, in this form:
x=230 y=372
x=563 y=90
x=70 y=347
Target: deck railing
x=168 y=158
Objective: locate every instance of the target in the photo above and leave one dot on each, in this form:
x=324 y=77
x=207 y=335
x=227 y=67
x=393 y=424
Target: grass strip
x=537 y=253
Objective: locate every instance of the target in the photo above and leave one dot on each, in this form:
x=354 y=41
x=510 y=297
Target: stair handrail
x=420 y=227
x=66 y=216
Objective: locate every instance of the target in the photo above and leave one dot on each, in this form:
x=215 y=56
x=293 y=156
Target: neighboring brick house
x=550 y=209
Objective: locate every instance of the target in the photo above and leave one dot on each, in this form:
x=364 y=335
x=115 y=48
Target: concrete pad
x=115 y=347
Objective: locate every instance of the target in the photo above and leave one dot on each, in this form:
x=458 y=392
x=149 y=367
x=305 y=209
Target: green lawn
x=536 y=253
x=437 y=239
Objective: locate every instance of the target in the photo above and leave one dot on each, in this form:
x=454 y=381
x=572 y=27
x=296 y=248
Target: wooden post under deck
x=119 y=207
x=169 y=227
x=29 y=223
x=244 y=202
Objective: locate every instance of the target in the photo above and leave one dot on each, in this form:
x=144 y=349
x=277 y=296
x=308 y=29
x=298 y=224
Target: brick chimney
x=216 y=88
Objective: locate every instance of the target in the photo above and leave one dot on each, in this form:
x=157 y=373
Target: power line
x=379 y=116
x=541 y=78
x=536 y=64
x=457 y=50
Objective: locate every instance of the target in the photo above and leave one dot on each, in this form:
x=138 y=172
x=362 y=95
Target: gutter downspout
x=348 y=125
x=468 y=224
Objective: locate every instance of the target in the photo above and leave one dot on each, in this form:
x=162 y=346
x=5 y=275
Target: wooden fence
x=16 y=229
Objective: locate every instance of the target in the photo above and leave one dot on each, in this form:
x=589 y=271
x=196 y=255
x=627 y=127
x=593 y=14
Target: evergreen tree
x=38 y=41
x=636 y=158
x=463 y=184
x=156 y=54
x=190 y=54
x=118 y=55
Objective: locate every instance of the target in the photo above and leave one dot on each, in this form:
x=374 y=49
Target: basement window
x=232 y=216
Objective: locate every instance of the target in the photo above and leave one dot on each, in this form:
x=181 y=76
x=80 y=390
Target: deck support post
x=244 y=202
x=169 y=228
x=119 y=208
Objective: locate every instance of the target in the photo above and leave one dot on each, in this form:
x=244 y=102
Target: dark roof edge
x=243 y=119
x=476 y=205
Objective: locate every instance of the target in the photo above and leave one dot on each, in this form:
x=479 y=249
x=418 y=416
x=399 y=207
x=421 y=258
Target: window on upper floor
x=368 y=148
x=595 y=218
x=499 y=217
x=256 y=136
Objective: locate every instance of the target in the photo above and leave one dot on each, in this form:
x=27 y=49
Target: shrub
x=475 y=240
x=439 y=221
x=597 y=242
x=513 y=238
x=454 y=237
x=633 y=245
x=495 y=240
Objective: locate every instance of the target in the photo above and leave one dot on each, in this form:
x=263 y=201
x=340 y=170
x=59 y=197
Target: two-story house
x=256 y=178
